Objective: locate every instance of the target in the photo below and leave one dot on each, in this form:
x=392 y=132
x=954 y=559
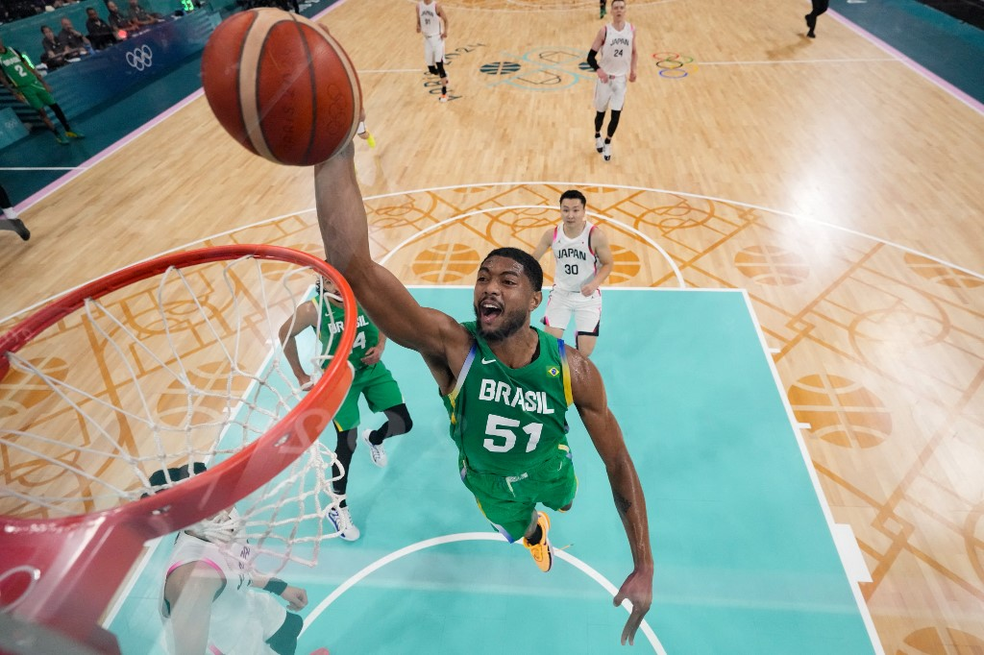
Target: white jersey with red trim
x=616 y=52
x=430 y=22
x=576 y=259
x=242 y=619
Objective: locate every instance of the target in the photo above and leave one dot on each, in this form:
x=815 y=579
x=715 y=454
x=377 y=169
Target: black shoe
x=16 y=225
x=811 y=34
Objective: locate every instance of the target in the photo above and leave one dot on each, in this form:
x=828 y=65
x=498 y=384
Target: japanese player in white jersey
x=616 y=45
x=211 y=599
x=432 y=22
x=584 y=261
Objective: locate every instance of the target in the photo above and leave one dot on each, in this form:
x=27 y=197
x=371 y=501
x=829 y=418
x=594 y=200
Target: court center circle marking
x=473 y=536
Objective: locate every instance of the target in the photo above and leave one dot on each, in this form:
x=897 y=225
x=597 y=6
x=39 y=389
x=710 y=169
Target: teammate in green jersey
x=20 y=78
x=324 y=314
x=506 y=385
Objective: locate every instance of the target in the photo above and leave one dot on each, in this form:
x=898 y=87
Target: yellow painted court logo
x=553 y=371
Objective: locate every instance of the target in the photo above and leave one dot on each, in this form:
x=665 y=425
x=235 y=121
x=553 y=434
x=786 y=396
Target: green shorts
x=36 y=95
x=509 y=502
x=374 y=382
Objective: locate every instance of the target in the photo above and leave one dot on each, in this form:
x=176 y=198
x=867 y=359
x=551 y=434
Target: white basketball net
x=185 y=367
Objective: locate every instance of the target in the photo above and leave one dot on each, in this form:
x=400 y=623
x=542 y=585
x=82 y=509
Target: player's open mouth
x=489 y=311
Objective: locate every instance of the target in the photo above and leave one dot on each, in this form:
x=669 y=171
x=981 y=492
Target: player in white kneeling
x=211 y=599
x=584 y=260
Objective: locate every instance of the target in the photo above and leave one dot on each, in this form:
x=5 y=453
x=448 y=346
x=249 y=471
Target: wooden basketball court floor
x=828 y=178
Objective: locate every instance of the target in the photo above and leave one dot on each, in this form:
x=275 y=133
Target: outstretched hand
x=296 y=598
x=637 y=589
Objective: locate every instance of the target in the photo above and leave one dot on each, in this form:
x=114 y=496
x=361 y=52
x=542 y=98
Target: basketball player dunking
x=584 y=261
x=617 y=44
x=432 y=22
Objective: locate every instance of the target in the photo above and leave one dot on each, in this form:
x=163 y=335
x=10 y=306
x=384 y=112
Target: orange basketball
x=281 y=86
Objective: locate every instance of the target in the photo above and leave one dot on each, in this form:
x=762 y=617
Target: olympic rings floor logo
x=141 y=58
x=673 y=65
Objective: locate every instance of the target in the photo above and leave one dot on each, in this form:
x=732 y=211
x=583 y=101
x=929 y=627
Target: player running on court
x=507 y=386
x=432 y=22
x=27 y=85
x=324 y=314
x=584 y=261
x=617 y=44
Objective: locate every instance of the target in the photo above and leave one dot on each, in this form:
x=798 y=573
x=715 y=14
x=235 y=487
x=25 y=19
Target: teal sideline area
x=949 y=48
x=945 y=46
x=744 y=559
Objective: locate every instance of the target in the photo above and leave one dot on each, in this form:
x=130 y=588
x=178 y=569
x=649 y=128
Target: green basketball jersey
x=330 y=331
x=507 y=421
x=17 y=70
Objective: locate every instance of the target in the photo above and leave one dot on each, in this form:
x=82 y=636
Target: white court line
x=431 y=228
x=391 y=70
x=959 y=94
x=471 y=536
x=794 y=61
x=43 y=168
x=547 y=183
x=848 y=559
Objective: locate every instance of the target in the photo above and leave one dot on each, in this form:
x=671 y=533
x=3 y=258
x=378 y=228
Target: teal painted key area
x=744 y=556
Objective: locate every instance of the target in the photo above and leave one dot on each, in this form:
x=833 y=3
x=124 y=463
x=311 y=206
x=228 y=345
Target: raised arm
x=592 y=404
x=599 y=243
x=342 y=217
x=544 y=244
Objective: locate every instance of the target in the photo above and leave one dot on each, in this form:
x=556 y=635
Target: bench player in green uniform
x=506 y=384
x=324 y=313
x=20 y=78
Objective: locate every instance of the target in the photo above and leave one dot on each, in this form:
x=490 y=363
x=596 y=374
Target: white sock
x=10 y=213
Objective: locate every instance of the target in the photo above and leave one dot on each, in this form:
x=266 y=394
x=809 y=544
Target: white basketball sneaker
x=377 y=453
x=341 y=519
x=607 y=152
x=599 y=143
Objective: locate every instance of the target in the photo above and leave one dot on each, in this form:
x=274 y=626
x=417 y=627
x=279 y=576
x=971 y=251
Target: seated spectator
x=141 y=16
x=101 y=34
x=55 y=53
x=71 y=38
x=118 y=21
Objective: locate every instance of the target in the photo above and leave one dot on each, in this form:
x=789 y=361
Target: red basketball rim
x=63 y=572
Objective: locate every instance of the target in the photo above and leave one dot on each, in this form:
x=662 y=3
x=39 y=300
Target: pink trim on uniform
x=207 y=561
x=212 y=649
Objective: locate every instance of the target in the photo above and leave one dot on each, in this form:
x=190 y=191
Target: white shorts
x=586 y=310
x=611 y=95
x=433 y=50
x=256 y=620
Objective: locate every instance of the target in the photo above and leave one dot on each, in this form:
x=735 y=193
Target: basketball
x=281 y=86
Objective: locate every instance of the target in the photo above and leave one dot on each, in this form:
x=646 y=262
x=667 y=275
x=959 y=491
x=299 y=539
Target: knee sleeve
x=398 y=421
x=344 y=448
x=284 y=640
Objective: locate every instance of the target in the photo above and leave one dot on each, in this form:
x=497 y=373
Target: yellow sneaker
x=541 y=552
